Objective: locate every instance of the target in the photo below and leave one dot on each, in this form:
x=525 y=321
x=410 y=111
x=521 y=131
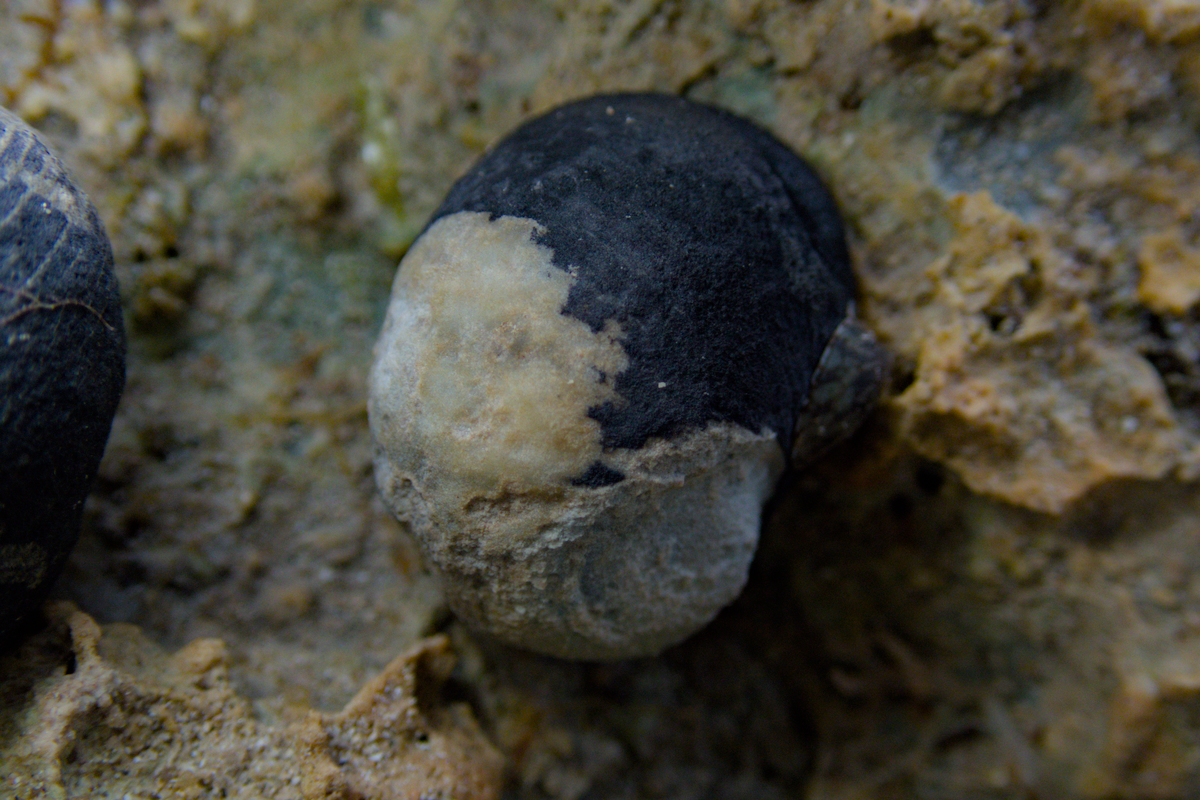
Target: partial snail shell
x=62 y=365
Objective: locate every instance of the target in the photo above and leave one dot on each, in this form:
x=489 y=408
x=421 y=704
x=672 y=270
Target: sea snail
x=62 y=366
x=599 y=357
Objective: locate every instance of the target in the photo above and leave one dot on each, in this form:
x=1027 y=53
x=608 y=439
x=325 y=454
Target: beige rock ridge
x=1017 y=392
x=104 y=712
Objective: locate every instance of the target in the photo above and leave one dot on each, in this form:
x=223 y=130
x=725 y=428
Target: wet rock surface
x=989 y=592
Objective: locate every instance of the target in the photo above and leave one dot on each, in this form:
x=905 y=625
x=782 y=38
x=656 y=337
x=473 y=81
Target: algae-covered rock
x=990 y=591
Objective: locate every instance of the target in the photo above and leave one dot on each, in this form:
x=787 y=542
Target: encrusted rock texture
x=105 y=713
x=991 y=591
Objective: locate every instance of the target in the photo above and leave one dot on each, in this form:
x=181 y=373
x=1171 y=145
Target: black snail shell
x=600 y=355
x=62 y=365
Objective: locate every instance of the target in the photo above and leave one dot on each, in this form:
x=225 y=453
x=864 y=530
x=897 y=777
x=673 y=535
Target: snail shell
x=62 y=365
x=599 y=358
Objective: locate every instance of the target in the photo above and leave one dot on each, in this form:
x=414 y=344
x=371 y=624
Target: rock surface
x=990 y=592
x=100 y=713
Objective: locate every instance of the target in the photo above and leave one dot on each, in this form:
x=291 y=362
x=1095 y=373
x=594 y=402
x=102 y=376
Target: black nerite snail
x=62 y=365
x=601 y=354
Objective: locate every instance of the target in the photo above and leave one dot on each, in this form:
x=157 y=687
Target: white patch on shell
x=479 y=378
